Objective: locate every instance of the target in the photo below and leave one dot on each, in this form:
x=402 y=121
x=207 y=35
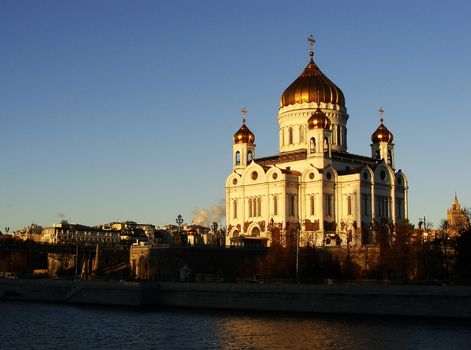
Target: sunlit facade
x=314 y=186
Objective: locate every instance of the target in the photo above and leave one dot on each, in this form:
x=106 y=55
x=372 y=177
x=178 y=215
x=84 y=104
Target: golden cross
x=381 y=111
x=311 y=45
x=244 y=114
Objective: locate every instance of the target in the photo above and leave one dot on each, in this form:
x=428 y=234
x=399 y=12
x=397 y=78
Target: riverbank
x=390 y=300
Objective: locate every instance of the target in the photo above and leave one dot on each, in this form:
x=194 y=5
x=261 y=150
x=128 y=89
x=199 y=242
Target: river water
x=52 y=326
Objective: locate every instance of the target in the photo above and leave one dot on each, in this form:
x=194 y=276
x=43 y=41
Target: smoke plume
x=205 y=217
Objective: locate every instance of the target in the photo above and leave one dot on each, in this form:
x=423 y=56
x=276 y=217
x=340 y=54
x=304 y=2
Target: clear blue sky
x=115 y=110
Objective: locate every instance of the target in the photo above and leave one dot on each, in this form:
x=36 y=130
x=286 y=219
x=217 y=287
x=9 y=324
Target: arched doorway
x=275 y=236
x=142 y=265
x=255 y=232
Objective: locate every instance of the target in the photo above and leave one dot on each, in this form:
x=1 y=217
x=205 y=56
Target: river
x=53 y=326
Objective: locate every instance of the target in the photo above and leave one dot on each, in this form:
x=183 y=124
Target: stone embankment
x=391 y=300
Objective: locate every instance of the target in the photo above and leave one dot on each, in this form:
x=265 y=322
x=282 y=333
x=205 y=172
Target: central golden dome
x=310 y=84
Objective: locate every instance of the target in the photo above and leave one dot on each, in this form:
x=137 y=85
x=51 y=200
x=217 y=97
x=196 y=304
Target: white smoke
x=205 y=217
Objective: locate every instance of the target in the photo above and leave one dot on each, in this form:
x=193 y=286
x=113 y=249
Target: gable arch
x=306 y=174
x=253 y=174
x=384 y=174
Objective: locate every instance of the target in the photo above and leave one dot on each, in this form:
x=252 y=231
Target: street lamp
x=297 y=253
x=179 y=221
x=214 y=227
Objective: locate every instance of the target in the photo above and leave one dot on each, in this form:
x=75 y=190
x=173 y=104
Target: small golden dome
x=244 y=135
x=318 y=120
x=382 y=134
x=312 y=86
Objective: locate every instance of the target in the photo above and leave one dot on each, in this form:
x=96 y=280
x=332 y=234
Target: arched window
x=377 y=154
x=290 y=135
x=389 y=158
x=312 y=145
x=249 y=157
x=311 y=204
x=301 y=134
x=250 y=207
x=349 y=205
x=237 y=158
x=291 y=205
x=326 y=144
x=275 y=205
x=235 y=209
x=259 y=206
x=254 y=207
x=328 y=204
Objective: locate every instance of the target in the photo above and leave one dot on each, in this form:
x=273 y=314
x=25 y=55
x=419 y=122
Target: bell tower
x=382 y=146
x=243 y=149
x=319 y=138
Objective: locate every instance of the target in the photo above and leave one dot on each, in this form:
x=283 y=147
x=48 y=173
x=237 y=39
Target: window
x=389 y=158
x=349 y=205
x=326 y=144
x=301 y=133
x=290 y=136
x=275 y=205
x=378 y=156
x=235 y=208
x=250 y=207
x=237 y=158
x=328 y=204
x=311 y=204
x=254 y=207
x=249 y=157
x=366 y=205
x=312 y=147
x=259 y=206
x=290 y=198
x=338 y=132
x=291 y=205
x=399 y=206
x=382 y=206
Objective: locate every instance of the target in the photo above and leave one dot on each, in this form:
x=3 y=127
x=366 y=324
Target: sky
x=124 y=110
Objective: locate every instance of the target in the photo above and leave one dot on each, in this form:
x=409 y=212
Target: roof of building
x=301 y=154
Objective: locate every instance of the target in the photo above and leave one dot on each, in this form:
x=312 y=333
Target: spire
x=311 y=45
x=244 y=115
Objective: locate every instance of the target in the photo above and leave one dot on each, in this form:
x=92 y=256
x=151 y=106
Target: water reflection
x=341 y=333
x=39 y=326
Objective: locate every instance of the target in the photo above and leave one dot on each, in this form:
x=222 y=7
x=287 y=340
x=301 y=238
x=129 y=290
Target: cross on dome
x=244 y=114
x=381 y=112
x=311 y=45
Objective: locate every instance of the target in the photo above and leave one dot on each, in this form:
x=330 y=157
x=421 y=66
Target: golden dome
x=318 y=120
x=244 y=135
x=382 y=134
x=307 y=86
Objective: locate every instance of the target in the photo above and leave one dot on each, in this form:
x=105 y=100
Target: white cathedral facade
x=313 y=189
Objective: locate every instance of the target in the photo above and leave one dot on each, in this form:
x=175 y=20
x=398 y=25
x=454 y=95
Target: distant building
x=457 y=219
x=67 y=233
x=33 y=232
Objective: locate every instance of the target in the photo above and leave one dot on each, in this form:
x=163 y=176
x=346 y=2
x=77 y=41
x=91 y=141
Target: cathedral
x=313 y=191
